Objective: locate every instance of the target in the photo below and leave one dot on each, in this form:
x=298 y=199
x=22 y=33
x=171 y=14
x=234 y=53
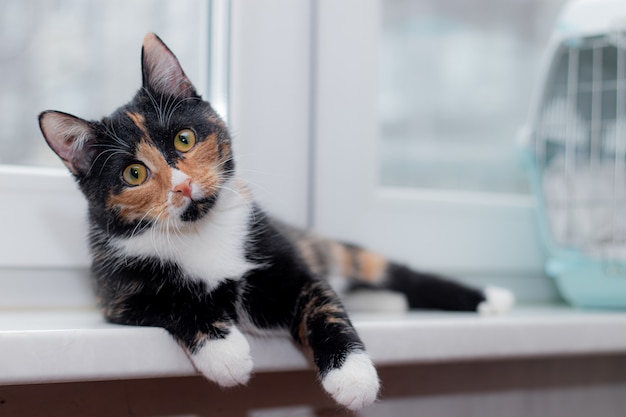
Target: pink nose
x=184 y=188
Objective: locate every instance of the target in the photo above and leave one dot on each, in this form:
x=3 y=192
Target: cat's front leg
x=206 y=327
x=346 y=370
x=224 y=359
x=203 y=322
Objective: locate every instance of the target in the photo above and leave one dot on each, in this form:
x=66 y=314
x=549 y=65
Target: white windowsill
x=56 y=346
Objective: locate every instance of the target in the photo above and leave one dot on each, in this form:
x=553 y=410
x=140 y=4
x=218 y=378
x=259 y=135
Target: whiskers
x=242 y=199
x=109 y=150
x=109 y=153
x=165 y=110
x=145 y=223
x=110 y=130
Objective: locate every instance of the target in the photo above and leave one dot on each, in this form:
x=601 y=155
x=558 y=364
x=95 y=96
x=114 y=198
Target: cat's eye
x=135 y=174
x=184 y=140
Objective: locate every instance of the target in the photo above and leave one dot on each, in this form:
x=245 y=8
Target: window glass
x=456 y=78
x=81 y=57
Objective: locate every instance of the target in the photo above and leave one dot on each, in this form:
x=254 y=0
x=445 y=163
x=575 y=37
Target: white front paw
x=497 y=301
x=225 y=361
x=355 y=384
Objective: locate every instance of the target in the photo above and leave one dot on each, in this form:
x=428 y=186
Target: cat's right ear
x=68 y=136
x=162 y=71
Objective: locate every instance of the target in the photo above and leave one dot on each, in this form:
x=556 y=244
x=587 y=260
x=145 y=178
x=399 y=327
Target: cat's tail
x=364 y=268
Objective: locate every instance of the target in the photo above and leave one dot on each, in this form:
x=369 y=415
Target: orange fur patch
x=149 y=200
x=372 y=266
x=359 y=264
x=201 y=162
x=140 y=122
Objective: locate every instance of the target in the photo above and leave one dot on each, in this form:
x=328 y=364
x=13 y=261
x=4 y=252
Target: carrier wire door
x=577 y=159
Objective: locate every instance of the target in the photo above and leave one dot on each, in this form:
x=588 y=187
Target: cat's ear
x=69 y=138
x=162 y=72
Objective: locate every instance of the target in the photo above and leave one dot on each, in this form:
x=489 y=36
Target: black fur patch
x=151 y=293
x=197 y=209
x=428 y=291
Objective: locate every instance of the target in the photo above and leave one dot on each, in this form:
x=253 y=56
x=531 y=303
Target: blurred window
x=82 y=57
x=456 y=78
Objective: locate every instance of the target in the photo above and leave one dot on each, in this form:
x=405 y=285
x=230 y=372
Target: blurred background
x=455 y=77
x=81 y=57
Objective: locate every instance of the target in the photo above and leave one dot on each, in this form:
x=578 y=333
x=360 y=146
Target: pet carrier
x=575 y=146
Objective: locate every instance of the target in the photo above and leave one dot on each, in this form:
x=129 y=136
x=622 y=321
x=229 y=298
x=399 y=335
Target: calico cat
x=177 y=241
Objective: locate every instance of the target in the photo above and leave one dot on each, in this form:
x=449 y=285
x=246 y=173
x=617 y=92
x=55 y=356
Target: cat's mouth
x=188 y=208
x=196 y=209
x=187 y=201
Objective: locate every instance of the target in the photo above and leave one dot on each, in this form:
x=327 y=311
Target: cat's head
x=160 y=159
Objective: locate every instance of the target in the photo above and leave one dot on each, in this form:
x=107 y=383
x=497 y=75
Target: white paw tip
x=355 y=384
x=225 y=361
x=497 y=301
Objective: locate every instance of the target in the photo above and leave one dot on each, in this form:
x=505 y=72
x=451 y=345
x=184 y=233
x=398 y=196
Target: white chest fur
x=213 y=249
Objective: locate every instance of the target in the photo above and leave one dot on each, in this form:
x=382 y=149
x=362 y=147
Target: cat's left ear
x=70 y=138
x=162 y=72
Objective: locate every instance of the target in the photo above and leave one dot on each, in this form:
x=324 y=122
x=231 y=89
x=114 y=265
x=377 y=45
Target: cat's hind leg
x=345 y=369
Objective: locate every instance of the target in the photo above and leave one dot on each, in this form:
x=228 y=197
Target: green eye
x=184 y=140
x=135 y=174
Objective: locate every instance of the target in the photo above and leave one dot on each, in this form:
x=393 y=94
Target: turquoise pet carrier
x=575 y=147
